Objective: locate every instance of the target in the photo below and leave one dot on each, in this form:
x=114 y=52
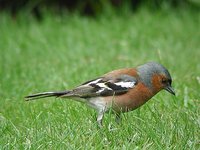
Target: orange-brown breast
x=131 y=100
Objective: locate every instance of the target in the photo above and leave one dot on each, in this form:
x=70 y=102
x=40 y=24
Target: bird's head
x=156 y=77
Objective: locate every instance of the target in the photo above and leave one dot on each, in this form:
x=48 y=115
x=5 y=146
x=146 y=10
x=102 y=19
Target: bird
x=120 y=90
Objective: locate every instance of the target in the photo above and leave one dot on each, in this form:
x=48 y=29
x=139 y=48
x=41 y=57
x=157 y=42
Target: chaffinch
x=120 y=90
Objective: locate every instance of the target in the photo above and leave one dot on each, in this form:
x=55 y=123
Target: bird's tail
x=47 y=94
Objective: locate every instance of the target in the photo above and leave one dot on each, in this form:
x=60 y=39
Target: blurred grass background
x=60 y=51
x=89 y=7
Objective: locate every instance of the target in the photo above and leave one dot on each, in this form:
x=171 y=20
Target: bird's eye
x=164 y=81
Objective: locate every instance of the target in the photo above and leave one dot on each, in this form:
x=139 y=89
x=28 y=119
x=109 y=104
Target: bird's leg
x=118 y=118
x=100 y=117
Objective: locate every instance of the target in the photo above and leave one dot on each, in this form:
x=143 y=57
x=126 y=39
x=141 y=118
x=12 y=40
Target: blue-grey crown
x=147 y=70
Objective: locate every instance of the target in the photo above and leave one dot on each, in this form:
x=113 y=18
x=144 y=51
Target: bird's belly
x=127 y=105
x=97 y=103
x=116 y=104
x=130 y=101
x=122 y=103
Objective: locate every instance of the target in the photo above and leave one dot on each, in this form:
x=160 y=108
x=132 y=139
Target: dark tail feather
x=46 y=94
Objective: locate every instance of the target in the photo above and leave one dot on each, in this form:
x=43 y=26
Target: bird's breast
x=133 y=99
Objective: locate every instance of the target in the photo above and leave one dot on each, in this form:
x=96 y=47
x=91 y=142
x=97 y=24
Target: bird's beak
x=170 y=89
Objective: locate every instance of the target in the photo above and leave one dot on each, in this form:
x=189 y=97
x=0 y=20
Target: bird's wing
x=104 y=86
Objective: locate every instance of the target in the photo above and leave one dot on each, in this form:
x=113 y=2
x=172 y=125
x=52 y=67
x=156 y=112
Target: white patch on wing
x=101 y=90
x=126 y=84
x=93 y=82
x=102 y=85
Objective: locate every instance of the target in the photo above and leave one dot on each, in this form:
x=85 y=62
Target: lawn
x=61 y=52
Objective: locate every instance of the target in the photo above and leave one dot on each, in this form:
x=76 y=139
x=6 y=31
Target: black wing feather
x=108 y=87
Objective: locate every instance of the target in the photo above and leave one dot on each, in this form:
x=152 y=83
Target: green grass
x=62 y=52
